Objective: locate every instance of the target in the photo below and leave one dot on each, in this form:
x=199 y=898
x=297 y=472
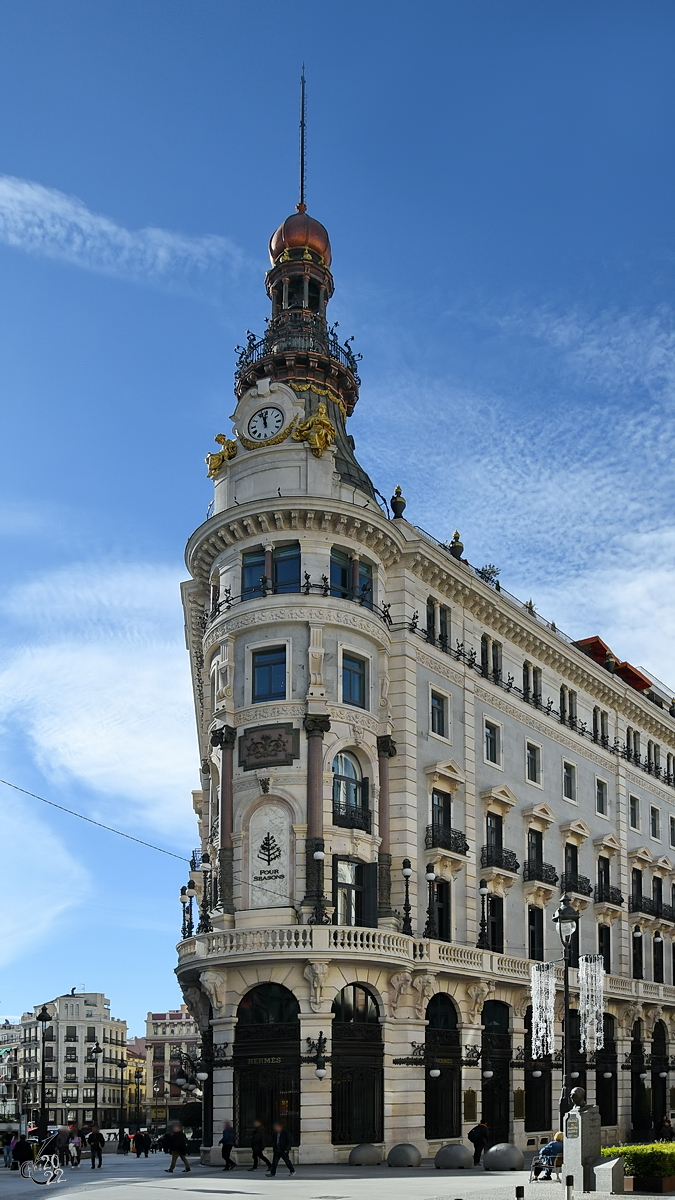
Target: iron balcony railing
x=442 y=837
x=651 y=908
x=296 y=332
x=606 y=894
x=498 y=856
x=226 y=601
x=534 y=870
x=348 y=816
x=576 y=883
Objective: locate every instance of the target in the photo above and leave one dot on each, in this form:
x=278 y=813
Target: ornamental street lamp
x=122 y=1123
x=96 y=1051
x=431 y=927
x=319 y=915
x=43 y=1018
x=187 y=894
x=317 y=1055
x=139 y=1077
x=205 y=925
x=406 y=927
x=483 y=942
x=567 y=919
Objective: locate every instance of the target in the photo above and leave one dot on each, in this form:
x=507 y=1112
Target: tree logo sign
x=270 y=850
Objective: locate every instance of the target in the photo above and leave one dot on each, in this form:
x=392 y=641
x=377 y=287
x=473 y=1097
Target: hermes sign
x=269 y=746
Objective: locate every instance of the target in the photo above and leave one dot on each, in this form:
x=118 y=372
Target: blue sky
x=497 y=180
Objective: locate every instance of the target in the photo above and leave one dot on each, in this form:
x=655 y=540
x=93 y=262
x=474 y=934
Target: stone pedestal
x=609 y=1176
x=582 y=1145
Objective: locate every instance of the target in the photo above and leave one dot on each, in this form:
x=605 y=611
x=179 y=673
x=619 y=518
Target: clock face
x=265 y=424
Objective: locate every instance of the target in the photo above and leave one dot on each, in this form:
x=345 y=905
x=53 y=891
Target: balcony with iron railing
x=296 y=331
x=443 y=837
x=534 y=870
x=500 y=857
x=651 y=908
x=579 y=884
x=605 y=893
x=351 y=816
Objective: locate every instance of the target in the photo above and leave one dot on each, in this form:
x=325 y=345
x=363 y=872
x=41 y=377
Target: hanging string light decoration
x=542 y=987
x=591 y=1001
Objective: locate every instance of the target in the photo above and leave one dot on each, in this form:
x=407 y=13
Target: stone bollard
x=609 y=1176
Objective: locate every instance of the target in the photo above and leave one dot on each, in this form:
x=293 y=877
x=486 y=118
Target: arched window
x=350 y=793
x=268 y=1004
x=441 y=1012
x=355 y=1005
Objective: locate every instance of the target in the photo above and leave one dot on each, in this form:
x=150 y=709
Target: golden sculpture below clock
x=215 y=461
x=318 y=431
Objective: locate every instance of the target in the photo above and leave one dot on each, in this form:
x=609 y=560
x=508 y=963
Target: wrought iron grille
x=536 y=870
x=445 y=838
x=606 y=894
x=576 y=883
x=499 y=856
x=348 y=816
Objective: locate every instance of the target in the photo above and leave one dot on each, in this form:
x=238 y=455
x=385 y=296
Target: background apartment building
x=167 y=1036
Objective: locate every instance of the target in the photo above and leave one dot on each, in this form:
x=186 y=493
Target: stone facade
x=364 y=696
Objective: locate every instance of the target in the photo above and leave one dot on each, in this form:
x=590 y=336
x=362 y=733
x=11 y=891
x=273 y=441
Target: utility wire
x=82 y=817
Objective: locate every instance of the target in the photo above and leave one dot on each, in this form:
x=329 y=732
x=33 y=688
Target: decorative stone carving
x=478 y=993
x=197 y=1005
x=214 y=983
x=425 y=986
x=631 y=1013
x=521 y=1004
x=315 y=973
x=559 y=1007
x=651 y=1017
x=269 y=746
x=398 y=984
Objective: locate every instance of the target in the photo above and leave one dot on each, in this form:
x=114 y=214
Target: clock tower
x=295 y=387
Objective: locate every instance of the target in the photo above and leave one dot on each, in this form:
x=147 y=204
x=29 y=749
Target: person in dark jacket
x=7 y=1139
x=666 y=1132
x=22 y=1152
x=281 y=1144
x=96 y=1142
x=258 y=1143
x=480 y=1136
x=227 y=1142
x=177 y=1147
x=126 y=1144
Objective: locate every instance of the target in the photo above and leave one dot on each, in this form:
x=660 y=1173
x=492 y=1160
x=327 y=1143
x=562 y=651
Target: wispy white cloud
x=48 y=223
x=102 y=691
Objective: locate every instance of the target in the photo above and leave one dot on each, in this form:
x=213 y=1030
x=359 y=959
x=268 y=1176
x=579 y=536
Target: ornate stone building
x=382 y=727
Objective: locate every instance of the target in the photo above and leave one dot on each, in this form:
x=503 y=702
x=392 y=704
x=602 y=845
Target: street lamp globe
x=202 y=1075
x=566 y=918
x=190 y=889
x=435 y=1072
x=406 y=869
x=430 y=873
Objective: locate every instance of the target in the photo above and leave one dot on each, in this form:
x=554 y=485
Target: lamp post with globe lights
x=431 y=927
x=43 y=1018
x=95 y=1053
x=406 y=870
x=566 y=918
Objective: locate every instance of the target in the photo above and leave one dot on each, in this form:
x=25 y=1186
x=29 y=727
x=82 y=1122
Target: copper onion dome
x=296 y=232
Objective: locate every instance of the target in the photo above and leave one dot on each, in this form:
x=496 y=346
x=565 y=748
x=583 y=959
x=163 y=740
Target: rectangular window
x=252 y=573
x=571 y=862
x=492 y=747
x=495 y=924
x=604 y=728
x=655 y=822
x=353 y=680
x=605 y=946
x=533 y=762
x=348 y=891
x=636 y=884
x=657 y=892
x=672 y=831
x=441 y=809
x=71 y=1053
x=431 y=621
x=569 y=781
x=365 y=584
x=634 y=815
x=340 y=581
x=286 y=568
x=601 y=797
x=71 y=1033
x=572 y=707
x=485 y=654
x=536 y=686
x=444 y=628
x=603 y=876
x=269 y=674
x=535 y=847
x=657 y=957
x=438 y=714
x=535 y=933
x=494 y=830
x=442 y=899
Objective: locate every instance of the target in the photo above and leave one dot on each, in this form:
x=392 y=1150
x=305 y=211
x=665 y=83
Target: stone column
x=386 y=749
x=226 y=737
x=316 y=725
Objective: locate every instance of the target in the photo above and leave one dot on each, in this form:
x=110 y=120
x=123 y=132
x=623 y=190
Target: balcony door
x=357 y=1068
x=267 y=1062
x=496 y=1050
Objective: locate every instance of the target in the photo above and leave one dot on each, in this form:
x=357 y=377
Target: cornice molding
x=273 y=612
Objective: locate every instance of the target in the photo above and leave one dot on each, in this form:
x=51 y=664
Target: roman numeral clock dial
x=265 y=424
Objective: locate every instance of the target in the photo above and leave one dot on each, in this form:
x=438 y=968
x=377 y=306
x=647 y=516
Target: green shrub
x=656 y=1158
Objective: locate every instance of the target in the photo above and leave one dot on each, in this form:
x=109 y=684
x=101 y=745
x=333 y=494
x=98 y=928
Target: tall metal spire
x=301 y=207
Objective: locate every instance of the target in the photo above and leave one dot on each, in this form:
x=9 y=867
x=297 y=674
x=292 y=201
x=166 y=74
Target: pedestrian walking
x=62 y=1144
x=480 y=1136
x=666 y=1132
x=281 y=1144
x=227 y=1142
x=96 y=1142
x=258 y=1143
x=138 y=1143
x=177 y=1147
x=76 y=1141
x=126 y=1144
x=7 y=1139
x=22 y=1152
